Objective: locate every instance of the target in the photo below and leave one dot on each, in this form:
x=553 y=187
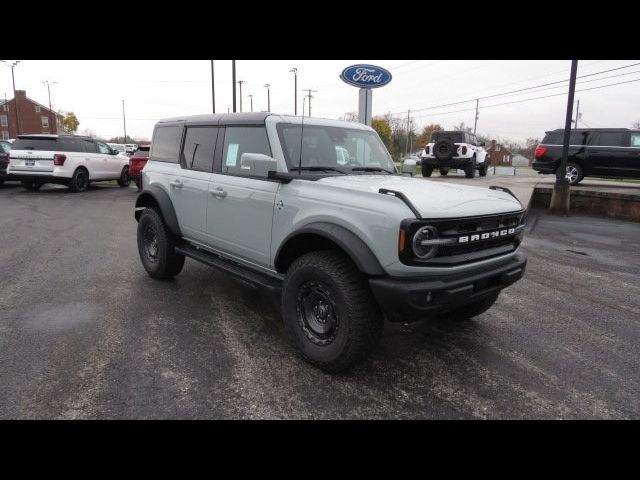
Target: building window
x=497 y=148
x=5 y=108
x=45 y=122
x=4 y=121
x=5 y=135
x=37 y=108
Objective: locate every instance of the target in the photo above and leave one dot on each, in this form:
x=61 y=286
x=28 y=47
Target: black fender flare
x=348 y=241
x=161 y=198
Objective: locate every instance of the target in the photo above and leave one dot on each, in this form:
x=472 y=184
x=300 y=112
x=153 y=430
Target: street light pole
x=268 y=97
x=560 y=198
x=475 y=124
x=295 y=90
x=13 y=78
x=251 y=98
x=309 y=96
x=240 y=82
x=124 y=122
x=213 y=90
x=48 y=84
x=233 y=81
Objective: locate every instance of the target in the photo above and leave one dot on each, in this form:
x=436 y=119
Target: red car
x=137 y=161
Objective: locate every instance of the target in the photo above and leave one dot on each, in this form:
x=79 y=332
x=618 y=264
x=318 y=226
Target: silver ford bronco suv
x=314 y=210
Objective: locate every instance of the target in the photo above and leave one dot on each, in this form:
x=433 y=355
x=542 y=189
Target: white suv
x=454 y=149
x=73 y=161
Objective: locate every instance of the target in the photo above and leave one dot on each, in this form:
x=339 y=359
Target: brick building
x=498 y=154
x=33 y=117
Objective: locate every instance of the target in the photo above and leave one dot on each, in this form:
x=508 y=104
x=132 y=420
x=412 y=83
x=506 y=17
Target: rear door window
x=70 y=144
x=165 y=146
x=610 y=139
x=635 y=139
x=90 y=146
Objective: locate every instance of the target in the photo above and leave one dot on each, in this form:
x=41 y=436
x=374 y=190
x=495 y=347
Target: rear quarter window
x=165 y=146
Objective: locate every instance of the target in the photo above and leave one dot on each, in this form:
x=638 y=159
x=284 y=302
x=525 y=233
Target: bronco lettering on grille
x=486 y=236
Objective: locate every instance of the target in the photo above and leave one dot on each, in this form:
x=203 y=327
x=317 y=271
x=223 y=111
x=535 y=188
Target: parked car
x=130 y=148
x=454 y=149
x=74 y=161
x=137 y=161
x=118 y=147
x=5 y=147
x=264 y=198
x=593 y=152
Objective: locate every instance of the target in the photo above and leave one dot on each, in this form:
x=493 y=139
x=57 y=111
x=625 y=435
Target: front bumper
x=413 y=299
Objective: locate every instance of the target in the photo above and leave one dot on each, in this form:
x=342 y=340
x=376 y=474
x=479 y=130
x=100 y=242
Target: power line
x=514 y=91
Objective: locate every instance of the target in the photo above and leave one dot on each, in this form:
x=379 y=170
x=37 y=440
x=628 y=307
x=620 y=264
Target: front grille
x=472 y=229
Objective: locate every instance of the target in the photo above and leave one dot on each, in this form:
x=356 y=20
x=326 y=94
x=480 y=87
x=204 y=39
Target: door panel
x=607 y=153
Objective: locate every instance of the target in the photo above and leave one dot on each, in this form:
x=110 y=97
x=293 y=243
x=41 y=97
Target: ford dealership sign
x=366 y=76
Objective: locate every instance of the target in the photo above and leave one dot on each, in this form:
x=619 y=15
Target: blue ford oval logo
x=366 y=76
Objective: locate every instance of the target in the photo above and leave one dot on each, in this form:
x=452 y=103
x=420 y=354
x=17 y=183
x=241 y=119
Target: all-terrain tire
x=470 y=168
x=482 y=169
x=426 y=170
x=156 y=246
x=329 y=310
x=444 y=171
x=124 y=180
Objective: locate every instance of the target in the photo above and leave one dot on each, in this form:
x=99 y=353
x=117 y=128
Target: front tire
x=472 y=309
x=31 y=186
x=156 y=246
x=329 y=311
x=426 y=170
x=482 y=169
x=124 y=180
x=79 y=181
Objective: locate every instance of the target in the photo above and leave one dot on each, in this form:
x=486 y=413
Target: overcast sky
x=154 y=89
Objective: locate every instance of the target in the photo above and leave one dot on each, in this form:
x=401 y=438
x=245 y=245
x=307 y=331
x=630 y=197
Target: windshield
x=333 y=147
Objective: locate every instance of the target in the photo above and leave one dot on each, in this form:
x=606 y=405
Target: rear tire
x=79 y=181
x=156 y=246
x=444 y=171
x=426 y=170
x=31 y=186
x=470 y=168
x=574 y=173
x=124 y=180
x=471 y=310
x=329 y=311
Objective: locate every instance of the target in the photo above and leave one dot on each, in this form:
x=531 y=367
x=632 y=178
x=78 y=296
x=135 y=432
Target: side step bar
x=243 y=273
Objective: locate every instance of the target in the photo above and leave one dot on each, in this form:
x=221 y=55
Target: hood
x=433 y=199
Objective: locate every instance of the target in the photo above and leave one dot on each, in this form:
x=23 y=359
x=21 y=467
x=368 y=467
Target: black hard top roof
x=244 y=118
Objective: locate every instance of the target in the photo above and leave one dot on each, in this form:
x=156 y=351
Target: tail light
x=59 y=159
x=540 y=151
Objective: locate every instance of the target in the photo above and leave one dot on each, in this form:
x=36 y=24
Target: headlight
x=425 y=243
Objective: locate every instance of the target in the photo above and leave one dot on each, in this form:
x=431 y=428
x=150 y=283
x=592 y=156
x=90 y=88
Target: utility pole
x=304 y=99
x=560 y=198
x=577 y=113
x=408 y=134
x=309 y=96
x=15 y=98
x=213 y=90
x=475 y=125
x=295 y=90
x=268 y=87
x=251 y=98
x=240 y=82
x=124 y=122
x=233 y=81
x=48 y=84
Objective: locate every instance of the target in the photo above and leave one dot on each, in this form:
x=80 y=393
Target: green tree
x=381 y=125
x=70 y=123
x=425 y=135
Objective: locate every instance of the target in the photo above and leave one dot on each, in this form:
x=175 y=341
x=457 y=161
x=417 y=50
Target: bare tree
x=636 y=124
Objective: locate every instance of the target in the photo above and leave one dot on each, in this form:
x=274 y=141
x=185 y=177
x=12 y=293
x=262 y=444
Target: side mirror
x=409 y=167
x=257 y=164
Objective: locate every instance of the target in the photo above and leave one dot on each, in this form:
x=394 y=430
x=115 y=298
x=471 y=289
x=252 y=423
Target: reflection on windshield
x=336 y=148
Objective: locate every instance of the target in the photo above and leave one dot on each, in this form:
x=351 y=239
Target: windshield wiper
x=319 y=169
x=371 y=169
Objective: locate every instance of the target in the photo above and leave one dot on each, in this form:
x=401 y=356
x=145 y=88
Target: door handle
x=176 y=184
x=219 y=192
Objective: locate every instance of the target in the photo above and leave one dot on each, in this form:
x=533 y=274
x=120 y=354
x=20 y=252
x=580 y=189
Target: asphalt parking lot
x=85 y=333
